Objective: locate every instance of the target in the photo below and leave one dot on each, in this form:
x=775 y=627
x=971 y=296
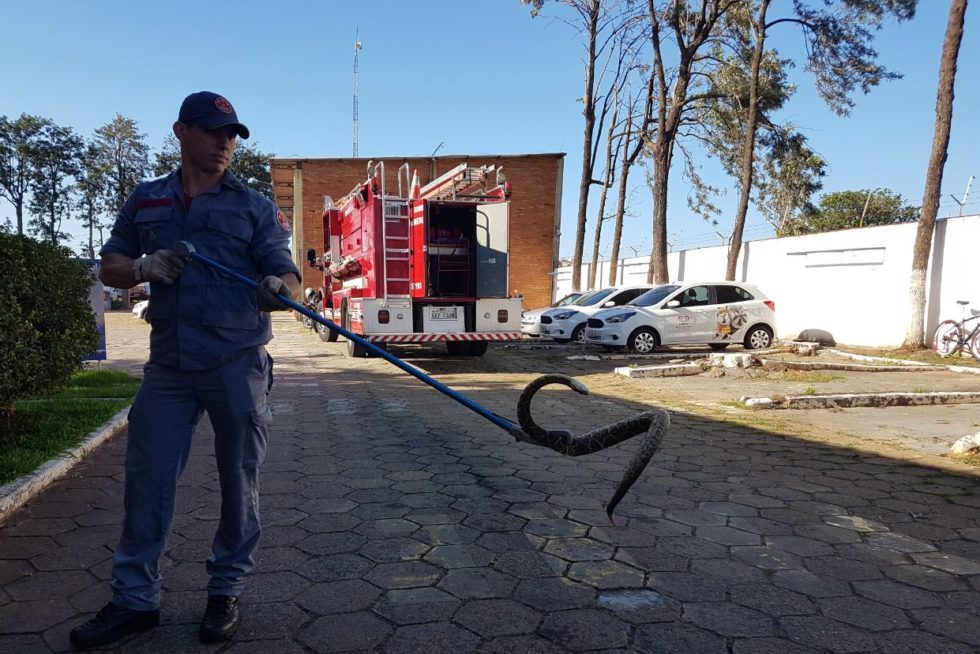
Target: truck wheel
x=477 y=349
x=458 y=348
x=354 y=350
x=326 y=335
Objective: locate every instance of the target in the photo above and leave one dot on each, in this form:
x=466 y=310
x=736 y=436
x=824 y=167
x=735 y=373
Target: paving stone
x=386 y=528
x=554 y=594
x=846 y=569
x=477 y=583
x=321 y=523
x=459 y=556
x=446 y=534
x=556 y=528
x=651 y=559
x=688 y=586
x=34 y=616
x=606 y=574
x=584 y=629
x=74 y=558
x=800 y=545
x=864 y=613
x=696 y=518
x=771 y=600
x=761 y=526
x=925 y=577
x=497 y=617
x=338 y=597
x=334 y=568
x=900 y=543
x=579 y=549
x=692 y=548
x=390 y=550
x=769 y=646
x=432 y=638
x=825 y=634
x=727 y=536
x=733 y=572
x=919 y=642
x=956 y=565
x=276 y=586
x=521 y=645
x=416 y=605
x=812 y=585
x=728 y=619
x=493 y=521
x=344 y=633
x=331 y=543
x=435 y=516
x=677 y=638
x=529 y=564
x=895 y=594
x=410 y=574
x=267 y=621
x=765 y=557
x=955 y=625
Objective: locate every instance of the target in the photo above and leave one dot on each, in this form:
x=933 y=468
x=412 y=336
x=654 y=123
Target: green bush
x=46 y=321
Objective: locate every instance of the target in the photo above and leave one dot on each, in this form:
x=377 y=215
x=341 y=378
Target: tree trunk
x=20 y=218
x=585 y=183
x=624 y=173
x=601 y=211
x=657 y=272
x=934 y=174
x=748 y=151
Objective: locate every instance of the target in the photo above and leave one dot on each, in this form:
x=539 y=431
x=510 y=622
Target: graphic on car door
x=728 y=320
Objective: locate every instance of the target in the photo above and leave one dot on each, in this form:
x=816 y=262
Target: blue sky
x=476 y=77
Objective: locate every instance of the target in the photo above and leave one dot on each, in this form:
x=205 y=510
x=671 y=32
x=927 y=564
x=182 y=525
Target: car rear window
x=654 y=296
x=730 y=294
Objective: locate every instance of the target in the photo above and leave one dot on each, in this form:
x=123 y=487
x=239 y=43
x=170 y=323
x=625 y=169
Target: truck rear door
x=492 y=225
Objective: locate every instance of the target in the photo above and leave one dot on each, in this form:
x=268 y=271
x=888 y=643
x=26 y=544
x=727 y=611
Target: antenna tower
x=357 y=47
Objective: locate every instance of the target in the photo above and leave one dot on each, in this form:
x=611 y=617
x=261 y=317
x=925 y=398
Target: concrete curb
x=849 y=400
x=905 y=362
x=20 y=491
x=680 y=370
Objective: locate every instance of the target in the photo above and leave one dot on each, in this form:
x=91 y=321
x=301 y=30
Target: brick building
x=535 y=210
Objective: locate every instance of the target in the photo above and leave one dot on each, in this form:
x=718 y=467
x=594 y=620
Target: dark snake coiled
x=654 y=423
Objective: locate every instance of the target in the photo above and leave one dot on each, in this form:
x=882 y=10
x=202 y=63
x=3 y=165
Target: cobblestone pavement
x=397 y=521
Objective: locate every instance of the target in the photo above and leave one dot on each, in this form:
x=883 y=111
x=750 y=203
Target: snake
x=653 y=423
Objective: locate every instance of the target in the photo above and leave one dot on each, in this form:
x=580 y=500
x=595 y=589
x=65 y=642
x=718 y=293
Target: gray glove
x=267 y=294
x=162 y=266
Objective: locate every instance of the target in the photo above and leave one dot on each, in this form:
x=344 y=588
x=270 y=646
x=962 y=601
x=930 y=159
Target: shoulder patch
x=281 y=219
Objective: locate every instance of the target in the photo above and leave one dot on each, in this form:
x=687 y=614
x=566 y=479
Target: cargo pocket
x=258 y=437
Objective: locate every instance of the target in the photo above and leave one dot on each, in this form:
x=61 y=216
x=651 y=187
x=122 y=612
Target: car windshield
x=582 y=298
x=654 y=296
x=568 y=299
x=595 y=298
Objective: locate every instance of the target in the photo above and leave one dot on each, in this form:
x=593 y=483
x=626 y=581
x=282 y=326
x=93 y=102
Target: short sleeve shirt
x=206 y=317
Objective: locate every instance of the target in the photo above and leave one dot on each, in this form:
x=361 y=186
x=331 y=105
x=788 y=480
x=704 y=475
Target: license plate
x=546 y=330
x=443 y=313
x=591 y=333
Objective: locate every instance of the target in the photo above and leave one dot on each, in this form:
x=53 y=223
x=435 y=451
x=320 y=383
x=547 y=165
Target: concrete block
x=682 y=370
x=738 y=360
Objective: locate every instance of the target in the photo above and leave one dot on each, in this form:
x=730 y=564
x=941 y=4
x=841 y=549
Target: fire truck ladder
x=394 y=219
x=458 y=183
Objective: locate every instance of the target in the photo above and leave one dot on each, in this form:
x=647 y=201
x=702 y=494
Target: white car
x=568 y=323
x=531 y=319
x=713 y=313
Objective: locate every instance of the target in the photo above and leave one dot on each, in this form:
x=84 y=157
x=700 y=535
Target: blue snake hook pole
x=186 y=251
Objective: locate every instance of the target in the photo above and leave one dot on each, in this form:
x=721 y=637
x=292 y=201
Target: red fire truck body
x=425 y=268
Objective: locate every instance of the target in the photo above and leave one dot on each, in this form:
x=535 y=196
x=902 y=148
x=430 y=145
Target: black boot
x=112 y=623
x=221 y=619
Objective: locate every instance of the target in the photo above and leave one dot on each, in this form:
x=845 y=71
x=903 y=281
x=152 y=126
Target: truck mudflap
x=437 y=338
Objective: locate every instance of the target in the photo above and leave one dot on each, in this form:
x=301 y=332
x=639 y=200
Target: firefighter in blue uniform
x=207 y=353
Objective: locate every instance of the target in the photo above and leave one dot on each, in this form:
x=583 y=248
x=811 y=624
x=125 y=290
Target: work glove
x=162 y=266
x=267 y=294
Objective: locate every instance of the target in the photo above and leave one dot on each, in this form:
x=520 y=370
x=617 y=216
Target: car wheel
x=718 y=346
x=326 y=334
x=578 y=335
x=644 y=340
x=758 y=338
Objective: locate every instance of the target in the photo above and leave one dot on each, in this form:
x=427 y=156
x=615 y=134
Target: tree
x=934 y=173
x=839 y=55
x=691 y=27
x=601 y=24
x=850 y=209
x=249 y=164
x=791 y=174
x=90 y=186
x=120 y=161
x=55 y=161
x=17 y=140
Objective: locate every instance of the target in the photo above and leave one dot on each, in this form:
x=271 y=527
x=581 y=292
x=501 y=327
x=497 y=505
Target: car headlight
x=565 y=315
x=619 y=317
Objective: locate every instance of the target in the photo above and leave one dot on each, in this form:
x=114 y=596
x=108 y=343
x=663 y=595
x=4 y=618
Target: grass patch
x=39 y=428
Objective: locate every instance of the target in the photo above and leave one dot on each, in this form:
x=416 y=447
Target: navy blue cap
x=210 y=111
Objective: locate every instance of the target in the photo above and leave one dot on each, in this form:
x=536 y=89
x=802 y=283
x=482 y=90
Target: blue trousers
x=161 y=424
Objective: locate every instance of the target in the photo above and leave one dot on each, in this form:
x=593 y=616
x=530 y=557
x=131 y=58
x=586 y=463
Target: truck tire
x=458 y=348
x=326 y=334
x=354 y=350
x=477 y=349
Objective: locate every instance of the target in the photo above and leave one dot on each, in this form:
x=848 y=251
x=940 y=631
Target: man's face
x=208 y=150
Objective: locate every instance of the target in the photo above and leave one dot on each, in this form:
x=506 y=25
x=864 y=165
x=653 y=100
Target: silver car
x=531 y=319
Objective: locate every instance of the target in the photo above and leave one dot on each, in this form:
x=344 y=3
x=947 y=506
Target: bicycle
x=953 y=335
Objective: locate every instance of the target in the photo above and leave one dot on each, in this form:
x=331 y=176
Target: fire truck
x=426 y=264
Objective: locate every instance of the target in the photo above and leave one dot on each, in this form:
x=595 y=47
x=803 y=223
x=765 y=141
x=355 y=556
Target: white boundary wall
x=852 y=283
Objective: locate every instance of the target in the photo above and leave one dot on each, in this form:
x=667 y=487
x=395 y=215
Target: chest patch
x=281 y=219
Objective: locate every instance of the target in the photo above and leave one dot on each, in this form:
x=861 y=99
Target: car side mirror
x=673 y=304
x=609 y=303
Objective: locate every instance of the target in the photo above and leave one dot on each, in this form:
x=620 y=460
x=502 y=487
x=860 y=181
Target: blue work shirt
x=205 y=318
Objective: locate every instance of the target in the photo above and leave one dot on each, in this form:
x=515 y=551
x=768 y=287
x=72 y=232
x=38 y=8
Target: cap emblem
x=223 y=105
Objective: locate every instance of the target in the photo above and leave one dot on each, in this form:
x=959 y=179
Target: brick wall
x=535 y=180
